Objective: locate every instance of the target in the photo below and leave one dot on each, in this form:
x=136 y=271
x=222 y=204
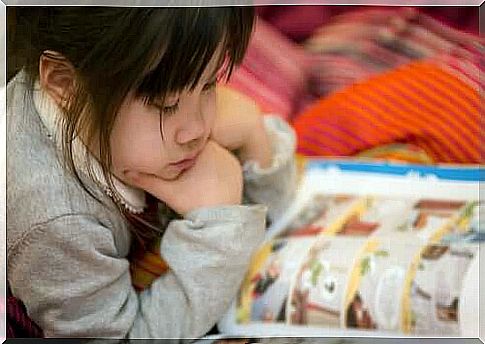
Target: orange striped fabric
x=419 y=103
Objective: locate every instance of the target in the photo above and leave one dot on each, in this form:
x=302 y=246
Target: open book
x=368 y=249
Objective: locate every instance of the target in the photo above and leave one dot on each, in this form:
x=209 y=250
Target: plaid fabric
x=360 y=44
x=146 y=265
x=19 y=325
x=299 y=22
x=466 y=64
x=272 y=72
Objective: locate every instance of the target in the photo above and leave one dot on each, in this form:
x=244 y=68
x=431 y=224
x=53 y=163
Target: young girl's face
x=164 y=139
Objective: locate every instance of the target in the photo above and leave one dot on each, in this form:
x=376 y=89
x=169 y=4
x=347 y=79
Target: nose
x=192 y=131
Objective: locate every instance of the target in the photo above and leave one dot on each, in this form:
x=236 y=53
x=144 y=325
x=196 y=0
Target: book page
x=380 y=264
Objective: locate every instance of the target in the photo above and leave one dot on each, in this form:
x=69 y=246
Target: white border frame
x=5 y=3
x=3 y=167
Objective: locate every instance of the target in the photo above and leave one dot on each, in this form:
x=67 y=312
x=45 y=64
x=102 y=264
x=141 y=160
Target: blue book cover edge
x=456 y=173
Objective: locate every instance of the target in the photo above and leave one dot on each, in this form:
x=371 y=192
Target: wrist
x=257 y=147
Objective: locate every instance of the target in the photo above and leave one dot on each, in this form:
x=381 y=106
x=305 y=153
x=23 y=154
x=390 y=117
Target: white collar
x=131 y=198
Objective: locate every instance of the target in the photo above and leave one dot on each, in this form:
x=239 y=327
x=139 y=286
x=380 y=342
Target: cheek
x=136 y=142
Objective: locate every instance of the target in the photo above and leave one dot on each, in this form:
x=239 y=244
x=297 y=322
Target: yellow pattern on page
x=257 y=262
x=355 y=275
x=406 y=315
x=358 y=209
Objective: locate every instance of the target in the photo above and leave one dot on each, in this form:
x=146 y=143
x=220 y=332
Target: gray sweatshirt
x=67 y=253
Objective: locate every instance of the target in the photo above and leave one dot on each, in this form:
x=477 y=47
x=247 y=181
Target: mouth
x=186 y=163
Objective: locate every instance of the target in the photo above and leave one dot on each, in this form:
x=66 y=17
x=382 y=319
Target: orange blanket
x=421 y=103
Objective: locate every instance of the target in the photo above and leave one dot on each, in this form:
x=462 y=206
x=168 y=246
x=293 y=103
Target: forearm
x=208 y=255
x=258 y=147
x=74 y=284
x=275 y=184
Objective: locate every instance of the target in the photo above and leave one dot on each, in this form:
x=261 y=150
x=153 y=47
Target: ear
x=56 y=76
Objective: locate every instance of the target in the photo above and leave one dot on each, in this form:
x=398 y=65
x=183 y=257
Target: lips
x=186 y=163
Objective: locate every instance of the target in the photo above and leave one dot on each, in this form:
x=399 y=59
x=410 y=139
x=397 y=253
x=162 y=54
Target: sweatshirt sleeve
x=274 y=186
x=73 y=284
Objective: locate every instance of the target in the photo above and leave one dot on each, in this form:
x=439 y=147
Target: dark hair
x=116 y=50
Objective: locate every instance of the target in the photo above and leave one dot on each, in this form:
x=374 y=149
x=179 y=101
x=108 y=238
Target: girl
x=110 y=109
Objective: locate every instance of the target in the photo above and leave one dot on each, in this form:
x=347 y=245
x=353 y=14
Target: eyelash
x=168 y=110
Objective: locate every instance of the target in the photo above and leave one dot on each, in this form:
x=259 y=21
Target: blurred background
x=395 y=83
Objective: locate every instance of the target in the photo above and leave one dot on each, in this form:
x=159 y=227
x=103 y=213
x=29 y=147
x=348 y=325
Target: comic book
x=368 y=251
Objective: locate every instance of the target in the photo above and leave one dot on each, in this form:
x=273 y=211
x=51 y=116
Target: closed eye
x=168 y=110
x=163 y=109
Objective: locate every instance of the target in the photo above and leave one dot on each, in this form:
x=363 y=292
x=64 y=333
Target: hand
x=239 y=127
x=214 y=180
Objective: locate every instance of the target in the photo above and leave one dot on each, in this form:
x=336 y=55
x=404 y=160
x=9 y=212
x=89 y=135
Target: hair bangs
x=198 y=35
